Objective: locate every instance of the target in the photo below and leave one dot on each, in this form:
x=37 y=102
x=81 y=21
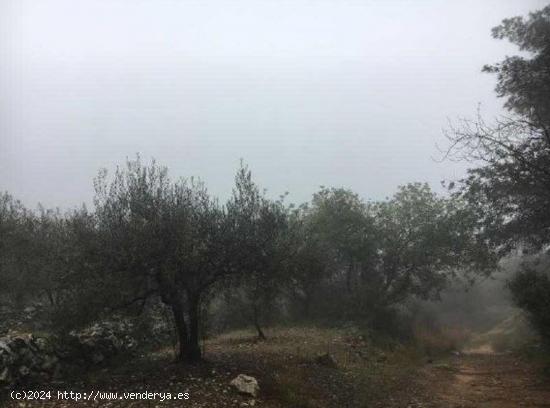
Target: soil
x=480 y=380
x=290 y=376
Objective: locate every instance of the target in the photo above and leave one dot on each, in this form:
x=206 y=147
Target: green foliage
x=510 y=191
x=152 y=240
x=525 y=82
x=374 y=256
x=342 y=219
x=425 y=240
x=16 y=225
x=531 y=292
x=173 y=240
x=265 y=247
x=311 y=262
x=34 y=252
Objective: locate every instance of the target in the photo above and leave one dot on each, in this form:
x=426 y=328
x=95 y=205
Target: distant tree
x=424 y=240
x=50 y=252
x=311 y=262
x=383 y=253
x=44 y=261
x=82 y=289
x=261 y=284
x=16 y=227
x=342 y=220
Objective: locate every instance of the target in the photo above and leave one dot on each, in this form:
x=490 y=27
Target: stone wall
x=29 y=358
x=26 y=357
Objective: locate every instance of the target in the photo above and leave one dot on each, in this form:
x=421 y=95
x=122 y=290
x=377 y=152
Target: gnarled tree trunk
x=181 y=329
x=193 y=352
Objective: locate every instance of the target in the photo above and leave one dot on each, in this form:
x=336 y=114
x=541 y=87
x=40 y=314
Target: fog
x=381 y=288
x=308 y=93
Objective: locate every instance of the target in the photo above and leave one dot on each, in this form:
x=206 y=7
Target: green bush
x=531 y=292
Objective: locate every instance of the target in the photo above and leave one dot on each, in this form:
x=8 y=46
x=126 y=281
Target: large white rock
x=246 y=384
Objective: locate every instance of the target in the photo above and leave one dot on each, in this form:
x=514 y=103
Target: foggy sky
x=308 y=93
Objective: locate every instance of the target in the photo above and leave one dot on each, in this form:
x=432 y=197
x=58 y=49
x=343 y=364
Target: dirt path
x=479 y=380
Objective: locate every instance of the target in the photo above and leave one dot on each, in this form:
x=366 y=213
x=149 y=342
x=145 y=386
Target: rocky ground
x=294 y=368
x=290 y=373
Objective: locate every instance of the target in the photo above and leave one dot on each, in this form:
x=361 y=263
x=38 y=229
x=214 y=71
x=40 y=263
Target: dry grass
x=302 y=343
x=286 y=363
x=285 y=366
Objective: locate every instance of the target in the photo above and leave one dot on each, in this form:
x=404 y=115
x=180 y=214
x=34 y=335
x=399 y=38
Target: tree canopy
x=511 y=185
x=509 y=189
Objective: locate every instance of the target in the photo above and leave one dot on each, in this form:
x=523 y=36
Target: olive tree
x=173 y=240
x=257 y=289
x=16 y=225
